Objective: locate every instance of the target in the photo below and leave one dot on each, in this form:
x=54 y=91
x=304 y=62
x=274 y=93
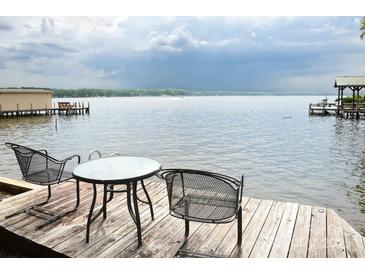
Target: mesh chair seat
x=212 y=209
x=48 y=176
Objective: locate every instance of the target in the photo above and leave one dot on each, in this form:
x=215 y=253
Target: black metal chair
x=39 y=168
x=202 y=196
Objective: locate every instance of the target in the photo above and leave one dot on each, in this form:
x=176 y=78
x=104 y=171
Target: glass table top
x=116 y=169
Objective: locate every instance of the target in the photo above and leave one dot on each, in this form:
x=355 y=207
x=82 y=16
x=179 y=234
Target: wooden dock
x=75 y=109
x=270 y=229
x=323 y=109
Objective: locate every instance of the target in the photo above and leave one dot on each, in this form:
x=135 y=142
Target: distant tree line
x=362 y=28
x=117 y=92
x=348 y=99
x=94 y=92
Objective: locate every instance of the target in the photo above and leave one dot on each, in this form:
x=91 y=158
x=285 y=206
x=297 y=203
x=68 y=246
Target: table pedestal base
x=133 y=211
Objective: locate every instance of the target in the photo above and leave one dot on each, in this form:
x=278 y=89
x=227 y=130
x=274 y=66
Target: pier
x=63 y=108
x=31 y=102
x=323 y=108
x=271 y=229
x=350 y=107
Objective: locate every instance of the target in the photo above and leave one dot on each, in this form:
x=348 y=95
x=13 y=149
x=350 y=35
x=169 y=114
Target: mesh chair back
x=202 y=196
x=37 y=167
x=23 y=156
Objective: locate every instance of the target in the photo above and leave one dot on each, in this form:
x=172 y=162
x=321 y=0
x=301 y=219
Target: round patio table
x=117 y=170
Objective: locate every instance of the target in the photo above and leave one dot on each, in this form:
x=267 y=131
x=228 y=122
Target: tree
x=362 y=28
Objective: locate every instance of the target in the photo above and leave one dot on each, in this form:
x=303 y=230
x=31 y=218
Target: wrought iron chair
x=202 y=196
x=39 y=168
x=110 y=188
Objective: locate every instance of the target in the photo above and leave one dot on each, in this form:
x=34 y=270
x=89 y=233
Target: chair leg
x=187 y=228
x=239 y=226
x=53 y=217
x=58 y=216
x=24 y=210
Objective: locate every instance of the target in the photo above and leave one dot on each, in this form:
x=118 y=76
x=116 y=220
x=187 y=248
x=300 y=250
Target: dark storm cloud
x=27 y=50
x=5 y=27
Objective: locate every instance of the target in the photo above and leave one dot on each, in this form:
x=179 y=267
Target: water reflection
x=348 y=148
x=26 y=121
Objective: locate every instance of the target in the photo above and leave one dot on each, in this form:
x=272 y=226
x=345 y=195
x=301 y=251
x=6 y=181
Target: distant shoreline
x=168 y=92
x=206 y=95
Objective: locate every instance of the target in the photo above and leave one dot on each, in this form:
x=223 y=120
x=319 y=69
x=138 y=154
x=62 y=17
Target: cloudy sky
x=275 y=54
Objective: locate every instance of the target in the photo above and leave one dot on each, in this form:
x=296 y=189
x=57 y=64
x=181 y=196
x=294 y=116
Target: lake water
x=310 y=160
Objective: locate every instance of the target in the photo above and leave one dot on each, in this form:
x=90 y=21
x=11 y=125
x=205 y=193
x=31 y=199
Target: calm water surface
x=311 y=160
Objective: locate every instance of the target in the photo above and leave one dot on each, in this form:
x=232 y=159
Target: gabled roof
x=26 y=91
x=350 y=81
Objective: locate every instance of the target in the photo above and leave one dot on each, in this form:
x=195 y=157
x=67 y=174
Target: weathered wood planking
x=354 y=245
x=317 y=237
x=270 y=229
x=227 y=246
x=77 y=225
x=266 y=238
x=335 y=236
x=300 y=239
x=217 y=235
x=253 y=230
x=280 y=248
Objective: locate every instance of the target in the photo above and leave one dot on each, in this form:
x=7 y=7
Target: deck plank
x=317 y=237
x=335 y=236
x=353 y=241
x=280 y=248
x=299 y=242
x=253 y=230
x=267 y=235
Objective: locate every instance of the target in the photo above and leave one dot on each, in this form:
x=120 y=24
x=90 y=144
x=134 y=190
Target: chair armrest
x=71 y=157
x=44 y=151
x=162 y=173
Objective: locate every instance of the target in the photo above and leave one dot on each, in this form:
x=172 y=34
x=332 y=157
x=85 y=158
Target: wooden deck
x=270 y=229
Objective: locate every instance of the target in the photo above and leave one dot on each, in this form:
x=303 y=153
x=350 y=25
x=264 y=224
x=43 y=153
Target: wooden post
x=88 y=107
x=342 y=100
x=357 y=104
x=338 y=101
x=1 y=113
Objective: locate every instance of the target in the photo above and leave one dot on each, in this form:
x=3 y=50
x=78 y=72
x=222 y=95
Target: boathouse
x=20 y=99
x=352 y=83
